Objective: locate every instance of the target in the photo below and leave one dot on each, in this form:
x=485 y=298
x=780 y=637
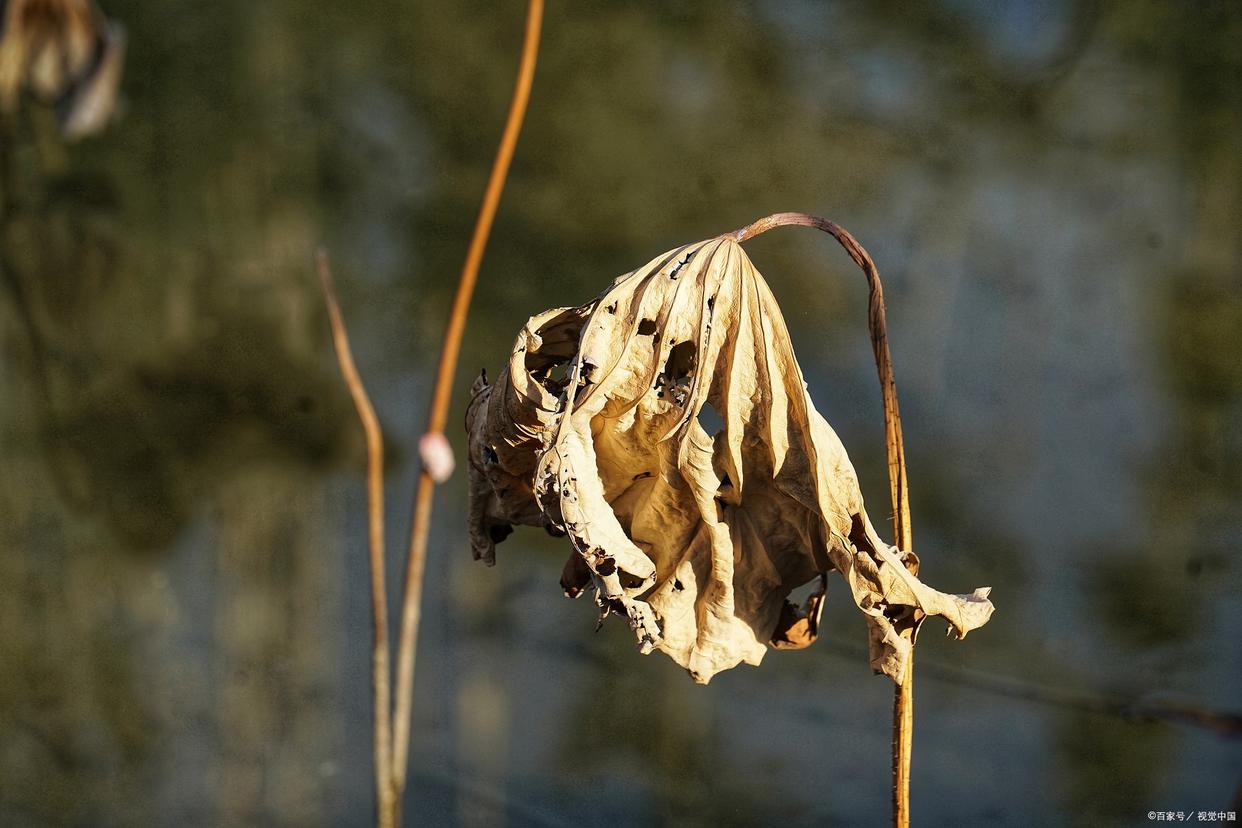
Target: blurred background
x=1052 y=191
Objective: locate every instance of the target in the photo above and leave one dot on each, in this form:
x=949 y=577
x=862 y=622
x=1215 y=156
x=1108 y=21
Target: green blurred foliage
x=1052 y=192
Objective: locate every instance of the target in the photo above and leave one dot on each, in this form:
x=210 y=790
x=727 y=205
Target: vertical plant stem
x=899 y=494
x=381 y=680
x=411 y=609
x=903 y=743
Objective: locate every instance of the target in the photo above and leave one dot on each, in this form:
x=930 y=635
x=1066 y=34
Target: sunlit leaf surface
x=600 y=428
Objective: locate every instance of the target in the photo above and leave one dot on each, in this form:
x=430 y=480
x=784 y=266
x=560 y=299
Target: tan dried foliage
x=62 y=51
x=593 y=430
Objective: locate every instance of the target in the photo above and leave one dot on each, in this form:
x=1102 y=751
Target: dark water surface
x=1052 y=191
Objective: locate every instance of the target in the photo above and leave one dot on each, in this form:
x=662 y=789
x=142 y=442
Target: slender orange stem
x=894 y=449
x=411 y=610
x=381 y=680
x=903 y=743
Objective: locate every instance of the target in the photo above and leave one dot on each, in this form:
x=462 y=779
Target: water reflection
x=1053 y=199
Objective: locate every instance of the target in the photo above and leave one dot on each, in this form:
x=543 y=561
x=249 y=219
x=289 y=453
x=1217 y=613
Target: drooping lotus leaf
x=696 y=534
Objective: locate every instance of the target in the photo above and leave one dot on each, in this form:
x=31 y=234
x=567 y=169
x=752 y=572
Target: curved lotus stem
x=411 y=609
x=381 y=681
x=903 y=700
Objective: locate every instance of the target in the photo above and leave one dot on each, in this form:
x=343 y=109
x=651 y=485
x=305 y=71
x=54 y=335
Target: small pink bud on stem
x=437 y=456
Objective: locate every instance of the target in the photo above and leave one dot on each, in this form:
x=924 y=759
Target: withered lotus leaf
x=696 y=535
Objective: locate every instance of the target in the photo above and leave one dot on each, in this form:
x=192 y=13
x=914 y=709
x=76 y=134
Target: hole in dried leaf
x=585 y=375
x=858 y=534
x=675 y=380
x=677 y=585
x=710 y=419
x=630 y=581
x=647 y=327
x=680 y=363
x=549 y=356
x=672 y=274
x=552 y=376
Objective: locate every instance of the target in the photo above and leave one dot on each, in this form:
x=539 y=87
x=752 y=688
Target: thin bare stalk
x=903 y=741
x=411 y=610
x=381 y=681
x=894 y=449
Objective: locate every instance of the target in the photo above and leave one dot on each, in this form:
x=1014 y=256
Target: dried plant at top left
x=62 y=52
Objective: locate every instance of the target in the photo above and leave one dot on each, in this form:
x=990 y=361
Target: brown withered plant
x=62 y=52
x=696 y=534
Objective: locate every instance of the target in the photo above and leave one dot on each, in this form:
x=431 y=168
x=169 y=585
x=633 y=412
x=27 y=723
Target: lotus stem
x=381 y=681
x=433 y=442
x=899 y=494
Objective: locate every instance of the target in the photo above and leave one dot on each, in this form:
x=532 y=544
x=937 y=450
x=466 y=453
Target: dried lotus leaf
x=696 y=538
